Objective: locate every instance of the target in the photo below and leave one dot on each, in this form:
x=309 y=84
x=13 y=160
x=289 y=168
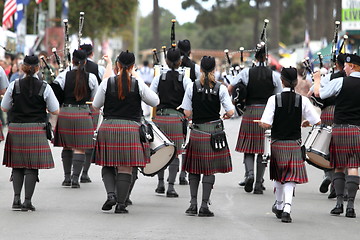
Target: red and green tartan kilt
x=200 y=158
x=1 y=132
x=118 y=144
x=26 y=146
x=74 y=128
x=345 y=147
x=172 y=126
x=327 y=115
x=286 y=162
x=95 y=117
x=251 y=135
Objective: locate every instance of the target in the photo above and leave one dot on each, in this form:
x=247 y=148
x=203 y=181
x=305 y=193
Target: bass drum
x=162 y=151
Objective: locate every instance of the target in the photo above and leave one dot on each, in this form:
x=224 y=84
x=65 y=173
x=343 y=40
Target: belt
x=169 y=112
x=345 y=125
x=214 y=126
x=74 y=105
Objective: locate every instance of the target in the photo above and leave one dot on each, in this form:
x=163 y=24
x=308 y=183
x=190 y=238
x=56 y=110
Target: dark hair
x=80 y=90
x=123 y=77
x=173 y=65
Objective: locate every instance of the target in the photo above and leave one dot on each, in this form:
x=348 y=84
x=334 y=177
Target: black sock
x=123 y=181
x=78 y=163
x=194 y=180
x=260 y=170
x=134 y=177
x=249 y=163
x=339 y=185
x=207 y=183
x=18 y=181
x=67 y=156
x=161 y=178
x=31 y=177
x=87 y=163
x=352 y=184
x=109 y=178
x=173 y=170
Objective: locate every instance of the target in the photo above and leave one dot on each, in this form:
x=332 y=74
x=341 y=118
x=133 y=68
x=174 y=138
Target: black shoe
x=171 y=194
x=128 y=202
x=276 y=211
x=75 y=184
x=183 y=181
x=249 y=184
x=338 y=209
x=324 y=186
x=258 y=189
x=160 y=190
x=205 y=212
x=27 y=206
x=109 y=203
x=242 y=183
x=285 y=217
x=350 y=213
x=16 y=204
x=263 y=187
x=85 y=179
x=66 y=183
x=120 y=208
x=192 y=210
x=332 y=193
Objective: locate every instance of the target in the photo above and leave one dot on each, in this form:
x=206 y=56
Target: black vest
x=171 y=90
x=69 y=97
x=260 y=86
x=347 y=107
x=287 y=125
x=129 y=108
x=26 y=108
x=331 y=100
x=186 y=62
x=205 y=109
x=93 y=68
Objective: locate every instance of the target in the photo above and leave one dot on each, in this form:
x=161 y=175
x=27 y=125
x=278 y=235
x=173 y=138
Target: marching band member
x=287 y=166
x=345 y=136
x=26 y=148
x=118 y=147
x=261 y=82
x=98 y=71
x=170 y=86
x=74 y=130
x=202 y=101
x=4 y=83
x=185 y=50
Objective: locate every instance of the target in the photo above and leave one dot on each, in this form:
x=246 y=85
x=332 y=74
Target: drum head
x=318 y=161
x=161 y=158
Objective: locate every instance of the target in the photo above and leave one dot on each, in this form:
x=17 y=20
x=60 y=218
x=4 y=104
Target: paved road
x=65 y=213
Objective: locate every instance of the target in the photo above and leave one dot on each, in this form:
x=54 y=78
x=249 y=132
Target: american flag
x=38 y=1
x=9 y=10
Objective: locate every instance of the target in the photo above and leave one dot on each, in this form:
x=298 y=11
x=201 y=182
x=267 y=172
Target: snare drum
x=317 y=146
x=162 y=151
x=267 y=145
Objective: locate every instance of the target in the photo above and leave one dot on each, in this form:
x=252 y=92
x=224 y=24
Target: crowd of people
x=115 y=102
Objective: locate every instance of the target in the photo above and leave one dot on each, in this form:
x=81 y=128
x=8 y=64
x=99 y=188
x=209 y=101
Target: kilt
x=327 y=115
x=74 y=128
x=26 y=146
x=251 y=135
x=345 y=146
x=95 y=117
x=118 y=144
x=172 y=126
x=286 y=162
x=1 y=132
x=200 y=158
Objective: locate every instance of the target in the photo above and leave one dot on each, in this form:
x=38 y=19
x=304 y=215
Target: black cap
x=289 y=74
x=341 y=58
x=173 y=54
x=31 y=60
x=87 y=48
x=207 y=63
x=79 y=55
x=353 y=58
x=184 y=46
x=126 y=59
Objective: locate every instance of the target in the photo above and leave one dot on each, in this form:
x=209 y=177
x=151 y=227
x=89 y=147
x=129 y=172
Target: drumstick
x=89 y=103
x=256 y=121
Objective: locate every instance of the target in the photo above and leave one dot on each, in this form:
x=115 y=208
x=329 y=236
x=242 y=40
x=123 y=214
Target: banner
x=350 y=15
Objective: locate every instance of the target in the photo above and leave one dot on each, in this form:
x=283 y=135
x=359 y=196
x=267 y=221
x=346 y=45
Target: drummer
x=287 y=167
x=118 y=141
x=344 y=150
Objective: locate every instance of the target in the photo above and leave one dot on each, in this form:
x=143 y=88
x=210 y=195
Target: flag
x=307 y=51
x=38 y=1
x=65 y=9
x=20 y=4
x=9 y=10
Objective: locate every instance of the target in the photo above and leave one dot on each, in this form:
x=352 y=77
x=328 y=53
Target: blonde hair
x=211 y=77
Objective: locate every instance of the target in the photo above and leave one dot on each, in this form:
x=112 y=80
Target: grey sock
x=207 y=183
x=109 y=178
x=161 y=178
x=31 y=177
x=249 y=163
x=134 y=177
x=173 y=170
x=260 y=170
x=67 y=156
x=88 y=153
x=194 y=180
x=17 y=176
x=123 y=181
x=352 y=184
x=78 y=163
x=339 y=185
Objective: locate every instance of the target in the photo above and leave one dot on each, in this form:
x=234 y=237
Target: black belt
x=74 y=105
x=345 y=125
